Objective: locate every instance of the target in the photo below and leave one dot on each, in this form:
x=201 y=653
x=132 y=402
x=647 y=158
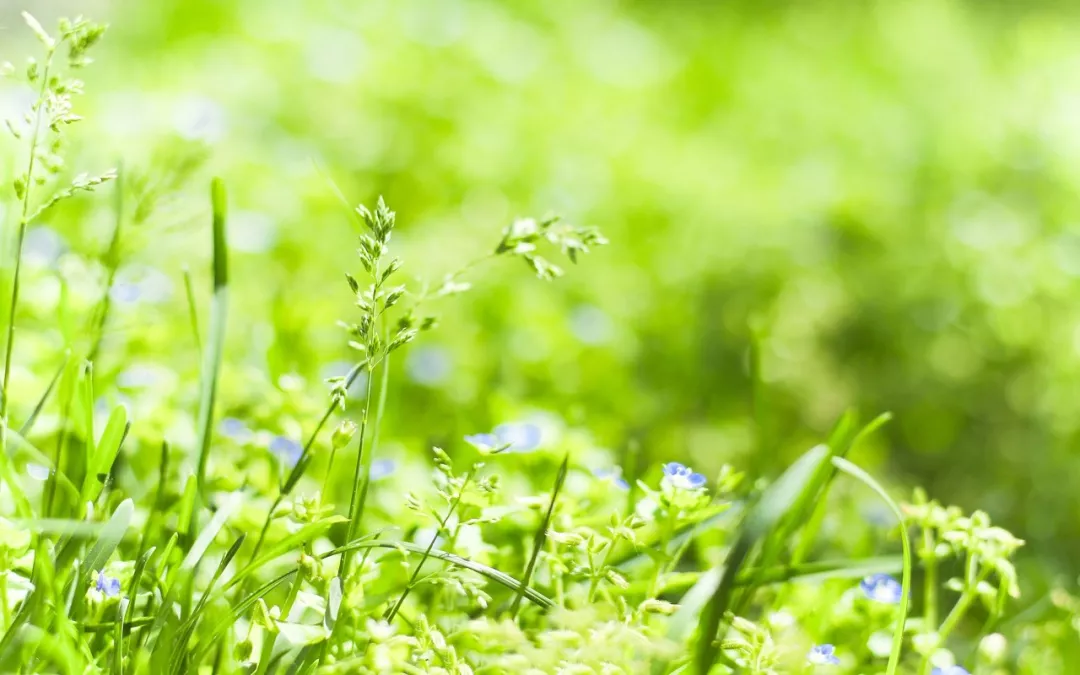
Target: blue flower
x=823 y=655
x=614 y=476
x=428 y=365
x=483 y=442
x=952 y=670
x=108 y=585
x=234 y=429
x=520 y=436
x=682 y=477
x=287 y=449
x=881 y=588
x=381 y=468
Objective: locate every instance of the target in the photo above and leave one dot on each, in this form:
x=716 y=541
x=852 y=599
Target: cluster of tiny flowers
x=682 y=477
x=512 y=437
x=951 y=670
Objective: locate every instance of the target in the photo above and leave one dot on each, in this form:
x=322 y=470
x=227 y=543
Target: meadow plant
x=517 y=550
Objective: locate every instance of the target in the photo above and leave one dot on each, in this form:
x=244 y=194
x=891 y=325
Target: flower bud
x=343 y=434
x=993 y=649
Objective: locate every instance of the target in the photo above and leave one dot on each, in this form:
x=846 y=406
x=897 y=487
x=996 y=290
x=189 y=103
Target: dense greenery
x=256 y=426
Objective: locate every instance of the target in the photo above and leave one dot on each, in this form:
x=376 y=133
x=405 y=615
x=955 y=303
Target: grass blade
x=28 y=425
x=111 y=536
x=541 y=534
x=905 y=593
x=776 y=502
x=218 y=312
x=193 y=311
x=292 y=542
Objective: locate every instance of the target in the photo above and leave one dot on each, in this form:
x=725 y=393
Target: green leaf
x=801 y=478
x=218 y=313
x=111 y=536
x=905 y=584
x=541 y=534
x=105 y=451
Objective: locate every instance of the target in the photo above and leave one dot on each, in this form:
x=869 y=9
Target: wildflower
x=109 y=586
x=682 y=477
x=429 y=366
x=823 y=655
x=521 y=437
x=881 y=588
x=381 y=468
x=343 y=434
x=234 y=429
x=614 y=476
x=287 y=449
x=951 y=670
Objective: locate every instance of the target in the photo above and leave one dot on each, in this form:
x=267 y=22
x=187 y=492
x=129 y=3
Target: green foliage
x=174 y=501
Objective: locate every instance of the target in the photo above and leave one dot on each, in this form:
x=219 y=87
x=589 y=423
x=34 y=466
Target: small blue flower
x=520 y=436
x=108 y=585
x=381 y=468
x=483 y=442
x=614 y=476
x=234 y=429
x=682 y=477
x=823 y=655
x=429 y=366
x=287 y=449
x=881 y=588
x=952 y=670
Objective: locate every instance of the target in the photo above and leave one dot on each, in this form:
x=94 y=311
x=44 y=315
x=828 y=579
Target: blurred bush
x=813 y=206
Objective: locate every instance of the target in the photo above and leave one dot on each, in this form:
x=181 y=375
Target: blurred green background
x=868 y=204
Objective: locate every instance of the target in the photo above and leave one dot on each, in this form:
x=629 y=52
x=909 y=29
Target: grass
x=191 y=531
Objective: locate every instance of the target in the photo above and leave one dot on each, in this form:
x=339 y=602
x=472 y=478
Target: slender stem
x=359 y=492
x=594 y=583
x=353 y=374
x=665 y=538
x=960 y=608
x=346 y=557
x=930 y=580
x=442 y=525
x=112 y=263
x=10 y=345
x=4 y=600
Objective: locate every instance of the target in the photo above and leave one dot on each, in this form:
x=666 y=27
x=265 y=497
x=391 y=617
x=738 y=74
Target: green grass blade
x=905 y=594
x=28 y=425
x=111 y=536
x=775 y=504
x=188 y=627
x=841 y=442
x=218 y=312
x=129 y=615
x=193 y=310
x=229 y=505
x=307 y=533
x=105 y=452
x=541 y=534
